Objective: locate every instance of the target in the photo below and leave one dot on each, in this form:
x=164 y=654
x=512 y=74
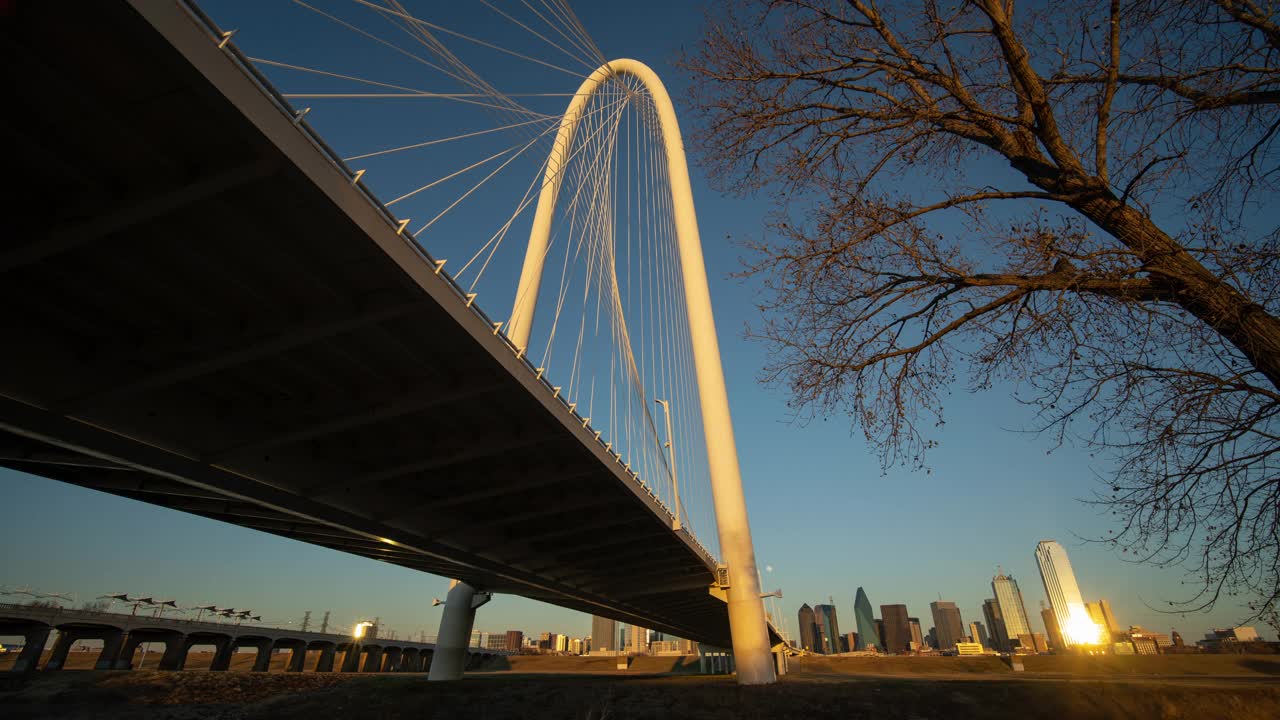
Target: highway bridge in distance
x=203 y=310
x=121 y=635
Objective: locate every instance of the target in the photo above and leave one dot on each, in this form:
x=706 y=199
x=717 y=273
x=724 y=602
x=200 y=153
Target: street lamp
x=671 y=455
x=202 y=609
x=160 y=605
x=113 y=597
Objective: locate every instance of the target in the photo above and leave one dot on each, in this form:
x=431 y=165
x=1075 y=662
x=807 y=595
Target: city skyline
x=1006 y=622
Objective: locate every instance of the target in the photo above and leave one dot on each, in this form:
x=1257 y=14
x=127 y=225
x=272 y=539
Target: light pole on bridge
x=671 y=455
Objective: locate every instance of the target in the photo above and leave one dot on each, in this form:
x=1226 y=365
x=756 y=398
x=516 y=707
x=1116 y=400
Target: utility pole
x=324 y=624
x=306 y=620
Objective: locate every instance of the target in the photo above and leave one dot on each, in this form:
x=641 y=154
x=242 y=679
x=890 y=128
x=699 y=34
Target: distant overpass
x=121 y=635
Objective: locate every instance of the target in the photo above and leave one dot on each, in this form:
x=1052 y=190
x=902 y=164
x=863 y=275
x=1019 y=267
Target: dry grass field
x=534 y=688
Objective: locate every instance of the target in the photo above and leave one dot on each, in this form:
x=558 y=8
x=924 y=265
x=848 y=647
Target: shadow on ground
x=1266 y=667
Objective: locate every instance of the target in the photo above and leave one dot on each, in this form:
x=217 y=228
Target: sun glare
x=1081 y=630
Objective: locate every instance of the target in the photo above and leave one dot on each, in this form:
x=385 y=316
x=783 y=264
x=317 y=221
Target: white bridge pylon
x=751 y=648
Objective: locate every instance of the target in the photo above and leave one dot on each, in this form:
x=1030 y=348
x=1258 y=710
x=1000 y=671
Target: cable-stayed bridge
x=209 y=308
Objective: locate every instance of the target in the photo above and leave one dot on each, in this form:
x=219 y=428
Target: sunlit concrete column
x=372 y=659
x=175 y=652
x=391 y=659
x=61 y=646
x=351 y=660
x=456 y=621
x=325 y=663
x=33 y=642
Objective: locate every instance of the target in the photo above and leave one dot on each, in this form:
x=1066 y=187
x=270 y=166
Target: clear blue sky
x=824 y=516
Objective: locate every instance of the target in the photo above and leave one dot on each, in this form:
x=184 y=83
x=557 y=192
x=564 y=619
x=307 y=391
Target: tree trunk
x=1245 y=324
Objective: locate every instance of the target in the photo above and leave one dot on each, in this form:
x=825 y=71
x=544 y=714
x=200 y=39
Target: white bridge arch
x=747 y=622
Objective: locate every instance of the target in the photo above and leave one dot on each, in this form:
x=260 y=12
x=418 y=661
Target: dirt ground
x=1237 y=687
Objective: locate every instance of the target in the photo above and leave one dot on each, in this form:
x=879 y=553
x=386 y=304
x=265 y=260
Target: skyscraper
x=948 y=627
x=995 y=621
x=1012 y=609
x=1112 y=626
x=979 y=634
x=808 y=629
x=604 y=634
x=826 y=618
x=639 y=642
x=1094 y=611
x=1051 y=628
x=1064 y=595
x=865 y=620
x=917 y=634
x=897 y=633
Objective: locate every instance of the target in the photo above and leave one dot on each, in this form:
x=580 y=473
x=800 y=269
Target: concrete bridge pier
x=61 y=647
x=111 y=645
x=459 y=617
x=391 y=659
x=297 y=654
x=69 y=636
x=411 y=660
x=175 y=652
x=325 y=662
x=372 y=659
x=221 y=647
x=351 y=658
x=222 y=655
x=33 y=642
x=262 y=660
x=124 y=661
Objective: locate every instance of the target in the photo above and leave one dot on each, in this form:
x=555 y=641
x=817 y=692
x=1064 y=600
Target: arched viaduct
x=121 y=635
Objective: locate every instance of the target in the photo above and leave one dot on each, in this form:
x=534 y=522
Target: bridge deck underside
x=201 y=312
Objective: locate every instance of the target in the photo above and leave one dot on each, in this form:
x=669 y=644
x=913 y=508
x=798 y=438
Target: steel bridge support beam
x=747 y=624
x=450 y=657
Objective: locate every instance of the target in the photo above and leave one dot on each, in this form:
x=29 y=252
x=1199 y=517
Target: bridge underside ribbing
x=201 y=311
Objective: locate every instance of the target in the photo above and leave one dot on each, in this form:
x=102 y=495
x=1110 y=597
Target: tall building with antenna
x=1012 y=610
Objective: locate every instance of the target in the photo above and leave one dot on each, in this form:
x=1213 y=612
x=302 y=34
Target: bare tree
x=1078 y=200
